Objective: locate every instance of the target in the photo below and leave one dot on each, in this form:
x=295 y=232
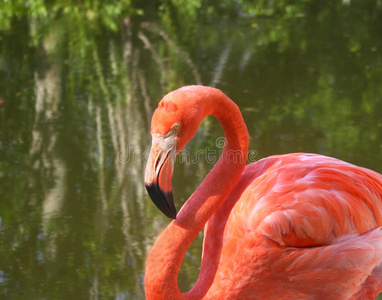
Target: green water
x=79 y=83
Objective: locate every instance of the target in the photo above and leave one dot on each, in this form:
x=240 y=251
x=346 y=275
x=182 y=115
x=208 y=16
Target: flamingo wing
x=298 y=224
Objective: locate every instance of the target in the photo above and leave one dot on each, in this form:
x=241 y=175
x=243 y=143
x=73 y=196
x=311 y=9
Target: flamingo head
x=173 y=124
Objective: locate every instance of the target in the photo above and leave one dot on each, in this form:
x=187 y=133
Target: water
x=77 y=94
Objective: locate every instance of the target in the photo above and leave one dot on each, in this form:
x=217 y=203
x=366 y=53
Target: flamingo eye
x=176 y=127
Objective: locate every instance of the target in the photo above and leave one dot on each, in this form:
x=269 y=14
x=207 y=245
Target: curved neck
x=166 y=256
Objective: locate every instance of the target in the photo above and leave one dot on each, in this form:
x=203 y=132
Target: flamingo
x=296 y=225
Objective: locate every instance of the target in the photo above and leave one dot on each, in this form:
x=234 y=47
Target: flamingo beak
x=159 y=172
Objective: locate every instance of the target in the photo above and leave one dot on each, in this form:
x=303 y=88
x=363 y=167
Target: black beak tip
x=163 y=200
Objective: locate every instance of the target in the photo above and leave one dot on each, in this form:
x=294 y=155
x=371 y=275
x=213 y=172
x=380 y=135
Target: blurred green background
x=80 y=79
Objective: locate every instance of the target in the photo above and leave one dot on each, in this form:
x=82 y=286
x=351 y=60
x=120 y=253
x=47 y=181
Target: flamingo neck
x=166 y=256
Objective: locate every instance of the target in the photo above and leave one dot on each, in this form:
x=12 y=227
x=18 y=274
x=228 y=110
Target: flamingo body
x=291 y=228
x=297 y=225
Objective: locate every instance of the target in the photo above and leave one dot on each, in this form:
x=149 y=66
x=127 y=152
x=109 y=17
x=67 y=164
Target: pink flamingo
x=298 y=225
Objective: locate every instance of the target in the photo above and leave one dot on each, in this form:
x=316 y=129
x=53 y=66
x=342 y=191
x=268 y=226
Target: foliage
x=106 y=13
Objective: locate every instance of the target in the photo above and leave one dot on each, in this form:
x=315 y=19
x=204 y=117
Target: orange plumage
x=298 y=225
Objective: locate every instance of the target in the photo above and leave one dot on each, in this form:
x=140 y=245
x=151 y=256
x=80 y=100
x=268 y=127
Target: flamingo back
x=305 y=225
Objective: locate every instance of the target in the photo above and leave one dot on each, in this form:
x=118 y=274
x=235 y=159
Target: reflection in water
x=77 y=96
x=43 y=150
